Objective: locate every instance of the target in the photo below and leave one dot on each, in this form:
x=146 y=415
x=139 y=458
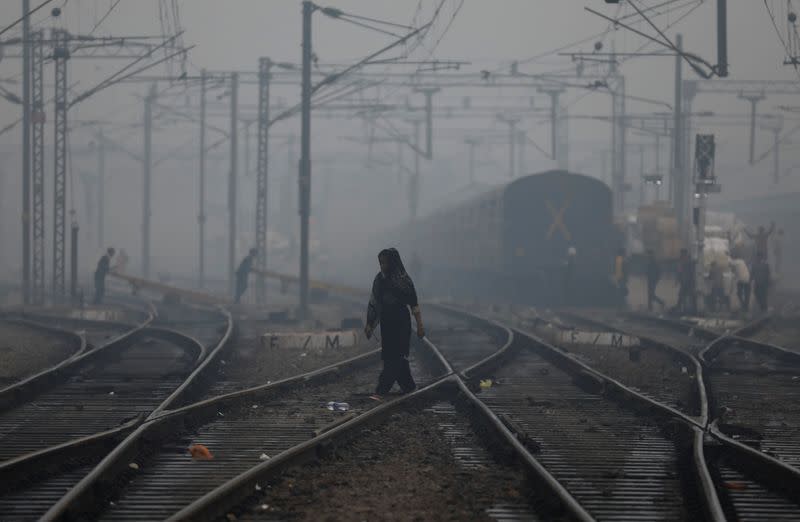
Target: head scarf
x=392 y=257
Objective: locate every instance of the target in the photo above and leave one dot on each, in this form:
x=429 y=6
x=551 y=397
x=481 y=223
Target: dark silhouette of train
x=511 y=243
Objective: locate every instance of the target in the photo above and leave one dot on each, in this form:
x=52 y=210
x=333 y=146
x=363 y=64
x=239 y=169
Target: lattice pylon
x=264 y=65
x=38 y=119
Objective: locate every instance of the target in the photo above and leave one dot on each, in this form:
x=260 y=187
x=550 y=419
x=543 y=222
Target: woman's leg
x=387 y=377
x=404 y=377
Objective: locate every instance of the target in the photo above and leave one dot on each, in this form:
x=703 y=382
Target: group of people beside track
x=753 y=277
x=393 y=295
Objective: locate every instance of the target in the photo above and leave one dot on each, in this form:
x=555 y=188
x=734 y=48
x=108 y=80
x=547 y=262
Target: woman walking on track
x=393 y=294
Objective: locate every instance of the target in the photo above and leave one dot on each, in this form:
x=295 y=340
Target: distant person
x=742 y=274
x=685 y=282
x=393 y=293
x=621 y=276
x=760 y=276
x=716 y=276
x=761 y=239
x=569 y=273
x=100 y=273
x=242 y=273
x=653 y=276
x=777 y=251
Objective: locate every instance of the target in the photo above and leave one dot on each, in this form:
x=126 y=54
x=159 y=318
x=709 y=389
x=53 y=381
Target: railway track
x=237 y=428
x=462 y=339
x=246 y=362
x=450 y=473
x=779 y=331
x=615 y=460
x=754 y=391
x=601 y=450
x=657 y=370
x=646 y=468
x=752 y=453
x=27 y=348
x=667 y=442
x=68 y=426
x=100 y=393
x=450 y=405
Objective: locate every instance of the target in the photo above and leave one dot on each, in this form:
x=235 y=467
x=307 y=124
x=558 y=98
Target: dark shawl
x=391 y=295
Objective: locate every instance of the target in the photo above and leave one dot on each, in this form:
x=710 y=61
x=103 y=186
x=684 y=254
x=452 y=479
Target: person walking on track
x=242 y=273
x=100 y=273
x=393 y=293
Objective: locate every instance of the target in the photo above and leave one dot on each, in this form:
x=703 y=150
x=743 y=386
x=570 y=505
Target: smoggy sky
x=490 y=34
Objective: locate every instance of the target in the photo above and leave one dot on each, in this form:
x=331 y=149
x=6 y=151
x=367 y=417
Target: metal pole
x=641 y=176
x=776 y=175
x=232 y=181
x=148 y=165
x=658 y=165
x=471 y=142
x=305 y=158
x=26 y=152
x=563 y=139
x=413 y=184
x=400 y=146
x=512 y=139
x=428 y=92
x=73 y=283
x=677 y=181
x=101 y=190
x=262 y=191
x=521 y=151
x=722 y=38
x=245 y=182
x=201 y=213
x=623 y=153
x=60 y=55
x=289 y=195
x=753 y=99
x=37 y=164
x=689 y=91
x=753 y=102
x=554 y=95
x=614 y=161
x=553 y=124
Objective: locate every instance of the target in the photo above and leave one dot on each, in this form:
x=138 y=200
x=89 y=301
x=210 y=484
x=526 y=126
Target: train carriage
x=511 y=243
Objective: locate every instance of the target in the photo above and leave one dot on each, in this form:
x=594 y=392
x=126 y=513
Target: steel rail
x=73 y=338
x=698 y=367
x=33 y=385
x=777 y=474
x=83 y=497
x=217 y=501
x=36 y=467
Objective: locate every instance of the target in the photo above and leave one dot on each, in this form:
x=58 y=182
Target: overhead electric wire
x=106 y=15
x=24 y=15
x=378 y=21
x=367 y=26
